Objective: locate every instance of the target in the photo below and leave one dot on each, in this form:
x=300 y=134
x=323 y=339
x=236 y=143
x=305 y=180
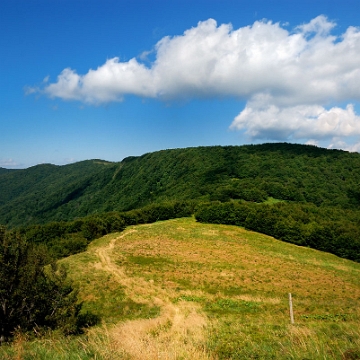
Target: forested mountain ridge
x=300 y=173
x=27 y=194
x=3 y=170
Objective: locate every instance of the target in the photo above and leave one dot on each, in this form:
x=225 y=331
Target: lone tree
x=33 y=295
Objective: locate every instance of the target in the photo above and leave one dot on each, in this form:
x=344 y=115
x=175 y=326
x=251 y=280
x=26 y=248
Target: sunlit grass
x=183 y=290
x=271 y=200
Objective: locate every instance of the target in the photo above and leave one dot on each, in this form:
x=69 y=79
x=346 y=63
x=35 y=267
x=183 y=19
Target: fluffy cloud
x=307 y=65
x=287 y=77
x=107 y=83
x=297 y=122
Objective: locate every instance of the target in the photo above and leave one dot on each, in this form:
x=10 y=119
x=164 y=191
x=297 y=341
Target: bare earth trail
x=106 y=262
x=179 y=331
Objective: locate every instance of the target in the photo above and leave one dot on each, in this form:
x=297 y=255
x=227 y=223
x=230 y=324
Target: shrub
x=31 y=294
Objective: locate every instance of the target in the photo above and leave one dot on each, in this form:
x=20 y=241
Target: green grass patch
x=226 y=306
x=328 y=317
x=191 y=298
x=270 y=200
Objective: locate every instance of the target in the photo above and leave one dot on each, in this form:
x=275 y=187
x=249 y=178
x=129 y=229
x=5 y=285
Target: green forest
x=254 y=173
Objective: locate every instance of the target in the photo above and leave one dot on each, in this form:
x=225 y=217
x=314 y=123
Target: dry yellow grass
x=177 y=333
x=221 y=291
x=157 y=263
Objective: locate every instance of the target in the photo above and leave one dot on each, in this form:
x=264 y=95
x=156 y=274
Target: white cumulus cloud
x=307 y=65
x=297 y=122
x=291 y=79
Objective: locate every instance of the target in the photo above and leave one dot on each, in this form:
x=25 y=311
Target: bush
x=31 y=294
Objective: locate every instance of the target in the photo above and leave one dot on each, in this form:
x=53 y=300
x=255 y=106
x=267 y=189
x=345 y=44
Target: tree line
x=329 y=229
x=64 y=238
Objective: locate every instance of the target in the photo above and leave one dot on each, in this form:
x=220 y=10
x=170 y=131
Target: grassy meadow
x=179 y=289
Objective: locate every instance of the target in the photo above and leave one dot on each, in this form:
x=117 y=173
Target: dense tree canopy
x=300 y=173
x=31 y=294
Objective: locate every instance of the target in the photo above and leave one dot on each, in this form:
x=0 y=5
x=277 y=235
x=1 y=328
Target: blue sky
x=84 y=79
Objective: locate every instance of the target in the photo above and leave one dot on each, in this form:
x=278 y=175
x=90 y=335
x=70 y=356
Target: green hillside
x=289 y=172
x=38 y=194
x=180 y=289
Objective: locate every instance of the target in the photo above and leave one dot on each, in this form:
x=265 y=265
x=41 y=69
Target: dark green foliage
x=229 y=213
x=3 y=171
x=32 y=295
x=157 y=212
x=328 y=229
x=236 y=189
x=86 y=320
x=47 y=192
x=67 y=245
x=253 y=173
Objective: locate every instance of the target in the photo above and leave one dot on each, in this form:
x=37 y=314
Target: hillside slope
x=38 y=194
x=252 y=172
x=182 y=290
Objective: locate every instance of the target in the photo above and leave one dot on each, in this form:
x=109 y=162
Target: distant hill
x=300 y=173
x=35 y=194
x=3 y=170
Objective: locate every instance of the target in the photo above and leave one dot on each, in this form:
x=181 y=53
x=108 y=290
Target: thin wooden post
x=291 y=309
